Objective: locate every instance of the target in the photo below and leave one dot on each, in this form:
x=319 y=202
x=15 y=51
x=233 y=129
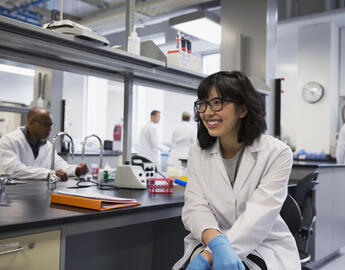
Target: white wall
x=74 y=93
x=115 y=104
x=96 y=114
x=145 y=100
x=174 y=105
x=309 y=52
x=16 y=88
x=342 y=61
x=287 y=68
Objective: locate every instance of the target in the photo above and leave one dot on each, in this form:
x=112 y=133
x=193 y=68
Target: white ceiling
x=103 y=16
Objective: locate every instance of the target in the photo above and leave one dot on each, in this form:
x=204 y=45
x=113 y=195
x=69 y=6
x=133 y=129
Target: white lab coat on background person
x=248 y=212
x=184 y=135
x=17 y=158
x=149 y=144
x=340 y=151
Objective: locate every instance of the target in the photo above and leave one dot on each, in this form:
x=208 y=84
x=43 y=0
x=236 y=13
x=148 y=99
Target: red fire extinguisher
x=117 y=132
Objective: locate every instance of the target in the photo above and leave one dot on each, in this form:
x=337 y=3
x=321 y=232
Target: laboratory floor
x=337 y=263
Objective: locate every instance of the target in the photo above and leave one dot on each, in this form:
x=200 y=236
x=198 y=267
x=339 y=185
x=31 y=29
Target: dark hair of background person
x=185 y=116
x=154 y=112
x=236 y=86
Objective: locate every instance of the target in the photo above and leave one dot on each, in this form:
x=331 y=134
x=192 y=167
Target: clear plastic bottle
x=134 y=43
x=94 y=170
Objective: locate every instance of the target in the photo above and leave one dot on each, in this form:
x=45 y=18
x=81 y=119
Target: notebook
x=93 y=201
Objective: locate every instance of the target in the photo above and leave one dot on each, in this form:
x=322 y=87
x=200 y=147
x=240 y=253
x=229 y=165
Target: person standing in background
x=149 y=142
x=184 y=135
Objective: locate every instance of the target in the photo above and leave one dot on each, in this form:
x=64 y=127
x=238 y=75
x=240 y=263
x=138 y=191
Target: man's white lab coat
x=149 y=143
x=184 y=135
x=340 y=151
x=248 y=212
x=17 y=158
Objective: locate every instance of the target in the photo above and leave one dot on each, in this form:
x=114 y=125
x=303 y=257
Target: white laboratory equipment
x=130 y=176
x=77 y=30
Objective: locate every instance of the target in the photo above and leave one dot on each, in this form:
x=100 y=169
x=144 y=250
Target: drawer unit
x=31 y=252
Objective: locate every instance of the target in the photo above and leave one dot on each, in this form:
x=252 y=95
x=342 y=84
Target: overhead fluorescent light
x=17 y=70
x=201 y=24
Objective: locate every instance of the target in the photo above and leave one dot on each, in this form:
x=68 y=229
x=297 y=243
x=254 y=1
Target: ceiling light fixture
x=201 y=24
x=17 y=70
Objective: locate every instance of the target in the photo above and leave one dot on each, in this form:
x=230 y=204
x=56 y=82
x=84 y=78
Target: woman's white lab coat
x=184 y=135
x=247 y=213
x=17 y=158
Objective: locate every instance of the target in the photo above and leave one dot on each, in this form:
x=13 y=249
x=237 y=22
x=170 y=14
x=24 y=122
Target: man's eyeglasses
x=46 y=125
x=216 y=104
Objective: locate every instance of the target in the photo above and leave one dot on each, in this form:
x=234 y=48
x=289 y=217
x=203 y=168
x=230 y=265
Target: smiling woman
x=242 y=95
x=237 y=183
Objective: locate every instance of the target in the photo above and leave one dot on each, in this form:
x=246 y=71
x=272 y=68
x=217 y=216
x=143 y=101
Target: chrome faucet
x=53 y=178
x=83 y=143
x=4 y=178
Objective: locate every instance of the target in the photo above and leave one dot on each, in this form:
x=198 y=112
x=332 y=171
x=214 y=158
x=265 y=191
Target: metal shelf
x=30 y=44
x=34 y=45
x=4 y=108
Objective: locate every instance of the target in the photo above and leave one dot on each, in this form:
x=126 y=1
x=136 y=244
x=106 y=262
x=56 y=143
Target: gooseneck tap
x=100 y=150
x=57 y=136
x=52 y=178
x=4 y=178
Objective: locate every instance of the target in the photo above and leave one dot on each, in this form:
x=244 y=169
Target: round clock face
x=312 y=92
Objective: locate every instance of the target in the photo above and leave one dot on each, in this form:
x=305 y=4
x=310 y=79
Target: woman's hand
x=199 y=263
x=224 y=256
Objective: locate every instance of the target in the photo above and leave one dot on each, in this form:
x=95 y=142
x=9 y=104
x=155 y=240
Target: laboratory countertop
x=94 y=153
x=29 y=205
x=316 y=164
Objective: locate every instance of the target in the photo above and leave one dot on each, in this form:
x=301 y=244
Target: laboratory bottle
x=189 y=45
x=178 y=40
x=183 y=43
x=134 y=43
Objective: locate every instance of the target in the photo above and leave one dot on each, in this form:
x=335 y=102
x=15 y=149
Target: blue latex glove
x=224 y=256
x=199 y=263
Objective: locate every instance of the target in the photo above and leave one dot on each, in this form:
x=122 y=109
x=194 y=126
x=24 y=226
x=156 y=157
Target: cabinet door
x=31 y=252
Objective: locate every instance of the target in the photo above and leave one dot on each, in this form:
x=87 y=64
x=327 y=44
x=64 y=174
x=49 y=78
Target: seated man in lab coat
x=26 y=154
x=184 y=135
x=149 y=143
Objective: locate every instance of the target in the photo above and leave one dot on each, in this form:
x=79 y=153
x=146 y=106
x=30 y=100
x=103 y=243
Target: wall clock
x=312 y=92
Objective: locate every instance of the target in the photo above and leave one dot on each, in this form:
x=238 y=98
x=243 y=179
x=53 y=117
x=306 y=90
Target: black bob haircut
x=236 y=86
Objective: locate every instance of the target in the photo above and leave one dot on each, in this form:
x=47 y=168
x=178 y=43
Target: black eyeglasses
x=216 y=104
x=46 y=125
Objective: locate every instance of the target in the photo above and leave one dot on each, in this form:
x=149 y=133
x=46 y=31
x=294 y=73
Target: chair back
x=291 y=214
x=304 y=188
